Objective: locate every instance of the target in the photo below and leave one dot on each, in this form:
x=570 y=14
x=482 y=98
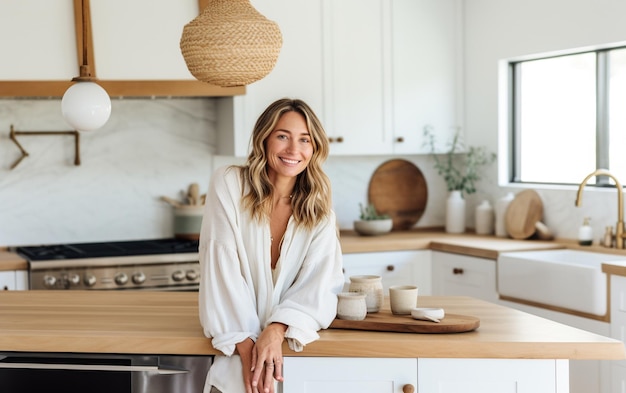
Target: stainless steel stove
x=161 y=264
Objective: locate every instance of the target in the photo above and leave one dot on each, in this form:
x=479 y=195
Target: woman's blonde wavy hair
x=311 y=198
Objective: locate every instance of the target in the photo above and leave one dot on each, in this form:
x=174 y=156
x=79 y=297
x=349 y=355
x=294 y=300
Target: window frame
x=602 y=77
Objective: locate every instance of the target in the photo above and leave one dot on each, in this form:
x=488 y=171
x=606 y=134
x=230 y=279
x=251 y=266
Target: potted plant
x=372 y=223
x=460 y=172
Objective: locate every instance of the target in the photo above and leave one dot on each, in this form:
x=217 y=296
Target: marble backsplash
x=158 y=147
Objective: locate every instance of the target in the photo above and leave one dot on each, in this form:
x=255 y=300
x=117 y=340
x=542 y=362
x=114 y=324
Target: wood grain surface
x=168 y=323
x=522 y=215
x=385 y=321
x=398 y=188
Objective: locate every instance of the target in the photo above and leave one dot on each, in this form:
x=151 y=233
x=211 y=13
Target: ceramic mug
x=402 y=298
x=351 y=306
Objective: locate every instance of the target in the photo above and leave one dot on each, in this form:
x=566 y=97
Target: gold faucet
x=619 y=230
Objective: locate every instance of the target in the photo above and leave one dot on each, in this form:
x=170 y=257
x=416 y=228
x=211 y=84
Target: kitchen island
x=167 y=323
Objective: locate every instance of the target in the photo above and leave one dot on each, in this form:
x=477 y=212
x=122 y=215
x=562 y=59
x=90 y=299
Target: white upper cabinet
x=427 y=72
x=357 y=49
x=375 y=71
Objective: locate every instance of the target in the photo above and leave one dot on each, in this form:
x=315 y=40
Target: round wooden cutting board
x=523 y=214
x=398 y=188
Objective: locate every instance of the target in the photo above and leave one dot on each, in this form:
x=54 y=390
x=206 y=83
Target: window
x=569 y=117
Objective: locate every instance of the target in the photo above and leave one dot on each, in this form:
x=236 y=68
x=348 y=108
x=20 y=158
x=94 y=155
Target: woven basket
x=230 y=44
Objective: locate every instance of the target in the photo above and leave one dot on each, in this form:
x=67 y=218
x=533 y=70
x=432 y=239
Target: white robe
x=238 y=297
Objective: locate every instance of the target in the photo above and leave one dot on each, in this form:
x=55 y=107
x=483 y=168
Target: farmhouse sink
x=570 y=279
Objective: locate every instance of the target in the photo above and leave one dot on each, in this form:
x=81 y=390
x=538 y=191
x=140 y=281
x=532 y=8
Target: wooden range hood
x=115 y=88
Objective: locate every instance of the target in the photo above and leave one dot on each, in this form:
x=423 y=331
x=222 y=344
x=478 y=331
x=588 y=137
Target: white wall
x=147 y=149
x=500 y=29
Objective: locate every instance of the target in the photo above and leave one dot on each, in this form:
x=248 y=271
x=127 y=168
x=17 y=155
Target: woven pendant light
x=230 y=44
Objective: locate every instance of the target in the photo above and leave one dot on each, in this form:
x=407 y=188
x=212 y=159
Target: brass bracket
x=13 y=136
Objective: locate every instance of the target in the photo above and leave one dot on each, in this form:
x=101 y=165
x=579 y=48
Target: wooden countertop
x=467 y=244
x=167 y=323
x=12 y=261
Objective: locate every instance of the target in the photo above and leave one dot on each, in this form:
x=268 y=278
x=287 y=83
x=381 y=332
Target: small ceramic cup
x=351 y=306
x=402 y=298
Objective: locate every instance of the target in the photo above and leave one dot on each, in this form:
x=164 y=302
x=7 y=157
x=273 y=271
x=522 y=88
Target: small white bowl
x=373 y=227
x=428 y=314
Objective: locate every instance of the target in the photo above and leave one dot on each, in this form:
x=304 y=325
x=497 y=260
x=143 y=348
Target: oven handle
x=95 y=367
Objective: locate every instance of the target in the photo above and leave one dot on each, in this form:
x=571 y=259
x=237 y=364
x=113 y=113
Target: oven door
x=102 y=373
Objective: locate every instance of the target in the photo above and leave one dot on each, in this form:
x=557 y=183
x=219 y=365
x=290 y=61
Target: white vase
x=484 y=218
x=455 y=212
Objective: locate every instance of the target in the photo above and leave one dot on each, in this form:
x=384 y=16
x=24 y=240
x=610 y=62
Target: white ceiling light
x=86 y=106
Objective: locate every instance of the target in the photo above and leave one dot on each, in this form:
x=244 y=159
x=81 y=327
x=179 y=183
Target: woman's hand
x=244 y=349
x=267 y=358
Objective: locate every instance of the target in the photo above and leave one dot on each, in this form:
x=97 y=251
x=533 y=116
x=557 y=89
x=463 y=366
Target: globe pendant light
x=230 y=44
x=86 y=106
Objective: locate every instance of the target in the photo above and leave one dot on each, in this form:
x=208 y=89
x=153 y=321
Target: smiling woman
x=255 y=290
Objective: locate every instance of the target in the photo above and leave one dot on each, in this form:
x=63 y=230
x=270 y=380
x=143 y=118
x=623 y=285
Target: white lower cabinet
x=13 y=280
x=392 y=375
x=618 y=378
x=395 y=268
x=344 y=375
x=618 y=330
x=492 y=376
x=462 y=275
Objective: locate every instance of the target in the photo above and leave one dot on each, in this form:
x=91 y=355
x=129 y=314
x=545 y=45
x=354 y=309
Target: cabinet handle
x=400 y=139
x=457 y=270
x=339 y=139
x=331 y=140
x=408 y=388
x=6 y=288
x=390 y=268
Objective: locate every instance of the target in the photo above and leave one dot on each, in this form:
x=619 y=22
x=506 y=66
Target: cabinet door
x=21 y=280
x=618 y=331
x=395 y=268
x=357 y=81
x=427 y=71
x=462 y=275
x=13 y=280
x=618 y=378
x=7 y=281
x=342 y=375
x=492 y=376
x=618 y=307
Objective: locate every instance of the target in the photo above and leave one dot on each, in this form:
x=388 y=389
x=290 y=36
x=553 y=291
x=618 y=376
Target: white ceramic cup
x=351 y=306
x=402 y=298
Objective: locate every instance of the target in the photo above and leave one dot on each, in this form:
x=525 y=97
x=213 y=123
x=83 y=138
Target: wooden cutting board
x=385 y=321
x=398 y=188
x=523 y=214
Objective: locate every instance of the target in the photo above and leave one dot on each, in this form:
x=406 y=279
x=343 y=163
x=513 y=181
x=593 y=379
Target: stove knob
x=139 y=278
x=49 y=281
x=121 y=278
x=74 y=279
x=192 y=275
x=90 y=280
x=178 y=275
